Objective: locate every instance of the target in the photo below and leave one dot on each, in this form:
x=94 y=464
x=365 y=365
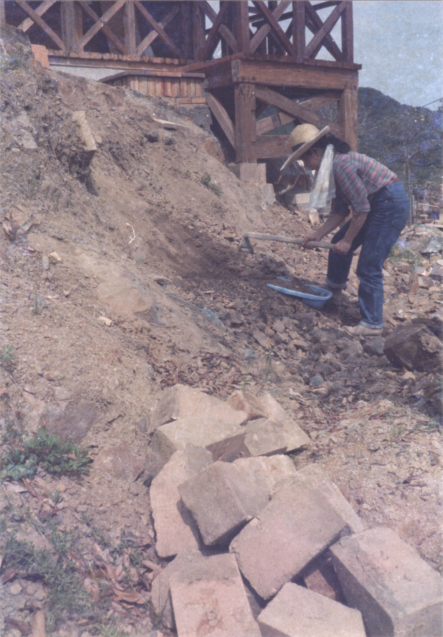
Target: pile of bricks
x=262 y=549
x=183 y=88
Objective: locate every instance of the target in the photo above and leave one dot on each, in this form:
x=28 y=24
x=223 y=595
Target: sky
x=400 y=45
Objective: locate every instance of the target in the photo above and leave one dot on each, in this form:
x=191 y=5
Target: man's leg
x=339 y=265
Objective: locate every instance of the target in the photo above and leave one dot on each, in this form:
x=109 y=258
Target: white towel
x=324 y=187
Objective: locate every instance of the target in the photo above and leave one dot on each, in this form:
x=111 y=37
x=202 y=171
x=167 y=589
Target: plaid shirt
x=357 y=177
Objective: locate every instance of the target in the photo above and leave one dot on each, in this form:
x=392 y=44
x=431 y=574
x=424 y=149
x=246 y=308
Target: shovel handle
x=276 y=237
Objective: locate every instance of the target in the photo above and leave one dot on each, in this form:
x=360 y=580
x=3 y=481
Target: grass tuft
x=206 y=181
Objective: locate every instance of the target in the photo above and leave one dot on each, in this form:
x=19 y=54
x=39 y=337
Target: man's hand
x=342 y=247
x=314 y=236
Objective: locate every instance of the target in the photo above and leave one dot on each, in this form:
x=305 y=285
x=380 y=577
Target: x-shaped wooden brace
x=100 y=25
x=225 y=33
x=272 y=18
x=35 y=16
x=321 y=31
x=158 y=28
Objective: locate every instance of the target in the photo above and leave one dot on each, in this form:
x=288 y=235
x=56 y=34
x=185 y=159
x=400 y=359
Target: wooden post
x=129 y=22
x=198 y=30
x=299 y=29
x=72 y=24
x=186 y=17
x=245 y=127
x=241 y=22
x=347 y=33
x=347 y=116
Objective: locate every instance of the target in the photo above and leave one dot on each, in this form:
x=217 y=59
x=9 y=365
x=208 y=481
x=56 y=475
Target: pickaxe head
x=246 y=244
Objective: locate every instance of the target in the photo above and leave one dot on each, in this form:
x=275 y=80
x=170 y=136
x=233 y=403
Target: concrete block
x=265 y=437
x=298 y=612
x=174 y=525
x=222 y=498
x=275 y=469
x=398 y=593
x=314 y=476
x=274 y=410
x=180 y=402
x=296 y=526
x=200 y=431
x=209 y=598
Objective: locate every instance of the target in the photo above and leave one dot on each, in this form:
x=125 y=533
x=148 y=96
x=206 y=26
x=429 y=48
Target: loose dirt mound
x=121 y=275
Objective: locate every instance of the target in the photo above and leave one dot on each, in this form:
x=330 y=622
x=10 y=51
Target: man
x=380 y=211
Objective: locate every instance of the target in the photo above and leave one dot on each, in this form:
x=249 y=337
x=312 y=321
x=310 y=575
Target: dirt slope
x=121 y=275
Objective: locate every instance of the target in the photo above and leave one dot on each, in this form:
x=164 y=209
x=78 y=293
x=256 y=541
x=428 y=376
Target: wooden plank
x=213 y=37
x=241 y=22
x=222 y=117
x=40 y=10
x=186 y=21
x=106 y=30
x=314 y=24
x=299 y=29
x=300 y=76
x=71 y=23
x=266 y=28
x=244 y=128
x=198 y=30
x=129 y=26
x=347 y=33
x=42 y=24
x=326 y=5
x=347 y=117
x=316 y=43
x=286 y=105
x=276 y=28
x=208 y=64
x=149 y=39
x=272 y=147
x=269 y=123
x=226 y=33
x=156 y=26
x=175 y=87
x=100 y=23
x=318 y=101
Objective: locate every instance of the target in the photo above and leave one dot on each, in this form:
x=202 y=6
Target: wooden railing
x=187 y=30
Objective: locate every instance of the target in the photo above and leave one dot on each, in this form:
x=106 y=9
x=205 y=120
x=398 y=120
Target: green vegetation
x=22 y=458
x=206 y=181
x=398 y=254
x=7 y=357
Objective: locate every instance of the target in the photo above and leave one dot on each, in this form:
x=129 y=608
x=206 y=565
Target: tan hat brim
x=304 y=148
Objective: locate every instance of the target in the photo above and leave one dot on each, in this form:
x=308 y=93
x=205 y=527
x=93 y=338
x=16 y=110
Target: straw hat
x=302 y=138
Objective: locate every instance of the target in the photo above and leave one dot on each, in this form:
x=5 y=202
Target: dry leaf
x=130 y=597
x=9 y=574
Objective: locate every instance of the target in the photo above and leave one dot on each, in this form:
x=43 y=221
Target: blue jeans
x=388 y=216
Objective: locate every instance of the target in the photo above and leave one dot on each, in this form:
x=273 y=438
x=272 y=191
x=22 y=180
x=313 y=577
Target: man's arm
x=357 y=222
x=330 y=224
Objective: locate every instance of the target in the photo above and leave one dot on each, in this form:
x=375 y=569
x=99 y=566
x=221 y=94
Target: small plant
x=46 y=450
x=38 y=304
x=7 y=357
x=206 y=181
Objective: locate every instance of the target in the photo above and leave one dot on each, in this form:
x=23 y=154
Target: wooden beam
x=101 y=22
x=347 y=117
x=299 y=29
x=149 y=39
x=347 y=33
x=226 y=34
x=214 y=35
x=314 y=24
x=276 y=28
x=42 y=24
x=273 y=121
x=241 y=22
x=40 y=10
x=266 y=28
x=222 y=117
x=129 y=26
x=326 y=5
x=198 y=30
x=186 y=21
x=299 y=76
x=156 y=26
x=2 y=12
x=245 y=134
x=71 y=22
x=318 y=101
x=317 y=41
x=106 y=30
x=272 y=147
x=209 y=64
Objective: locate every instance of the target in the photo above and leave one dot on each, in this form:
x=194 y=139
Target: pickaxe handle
x=275 y=237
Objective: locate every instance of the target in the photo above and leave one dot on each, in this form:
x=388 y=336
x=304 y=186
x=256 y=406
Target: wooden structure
x=183 y=88
x=253 y=55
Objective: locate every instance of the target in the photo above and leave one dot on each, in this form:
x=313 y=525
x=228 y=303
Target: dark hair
x=339 y=145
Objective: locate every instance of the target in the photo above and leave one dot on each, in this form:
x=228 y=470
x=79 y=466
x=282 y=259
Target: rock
x=354 y=348
x=396 y=591
x=223 y=497
x=316 y=380
x=436 y=273
x=181 y=401
x=313 y=476
x=45 y=262
x=279 y=327
x=320 y=577
x=152 y=137
x=265 y=437
x=262 y=339
x=121 y=461
x=298 y=612
x=127 y=297
x=434 y=245
x=174 y=526
x=246 y=401
x=209 y=598
x=104 y=320
x=84 y=132
x=70 y=422
x=374 y=346
x=274 y=410
x=414 y=346
x=294 y=528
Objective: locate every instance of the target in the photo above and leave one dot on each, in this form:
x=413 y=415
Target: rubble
x=414 y=346
x=394 y=589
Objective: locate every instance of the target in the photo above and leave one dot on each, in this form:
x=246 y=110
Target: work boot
x=362 y=330
x=337 y=296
